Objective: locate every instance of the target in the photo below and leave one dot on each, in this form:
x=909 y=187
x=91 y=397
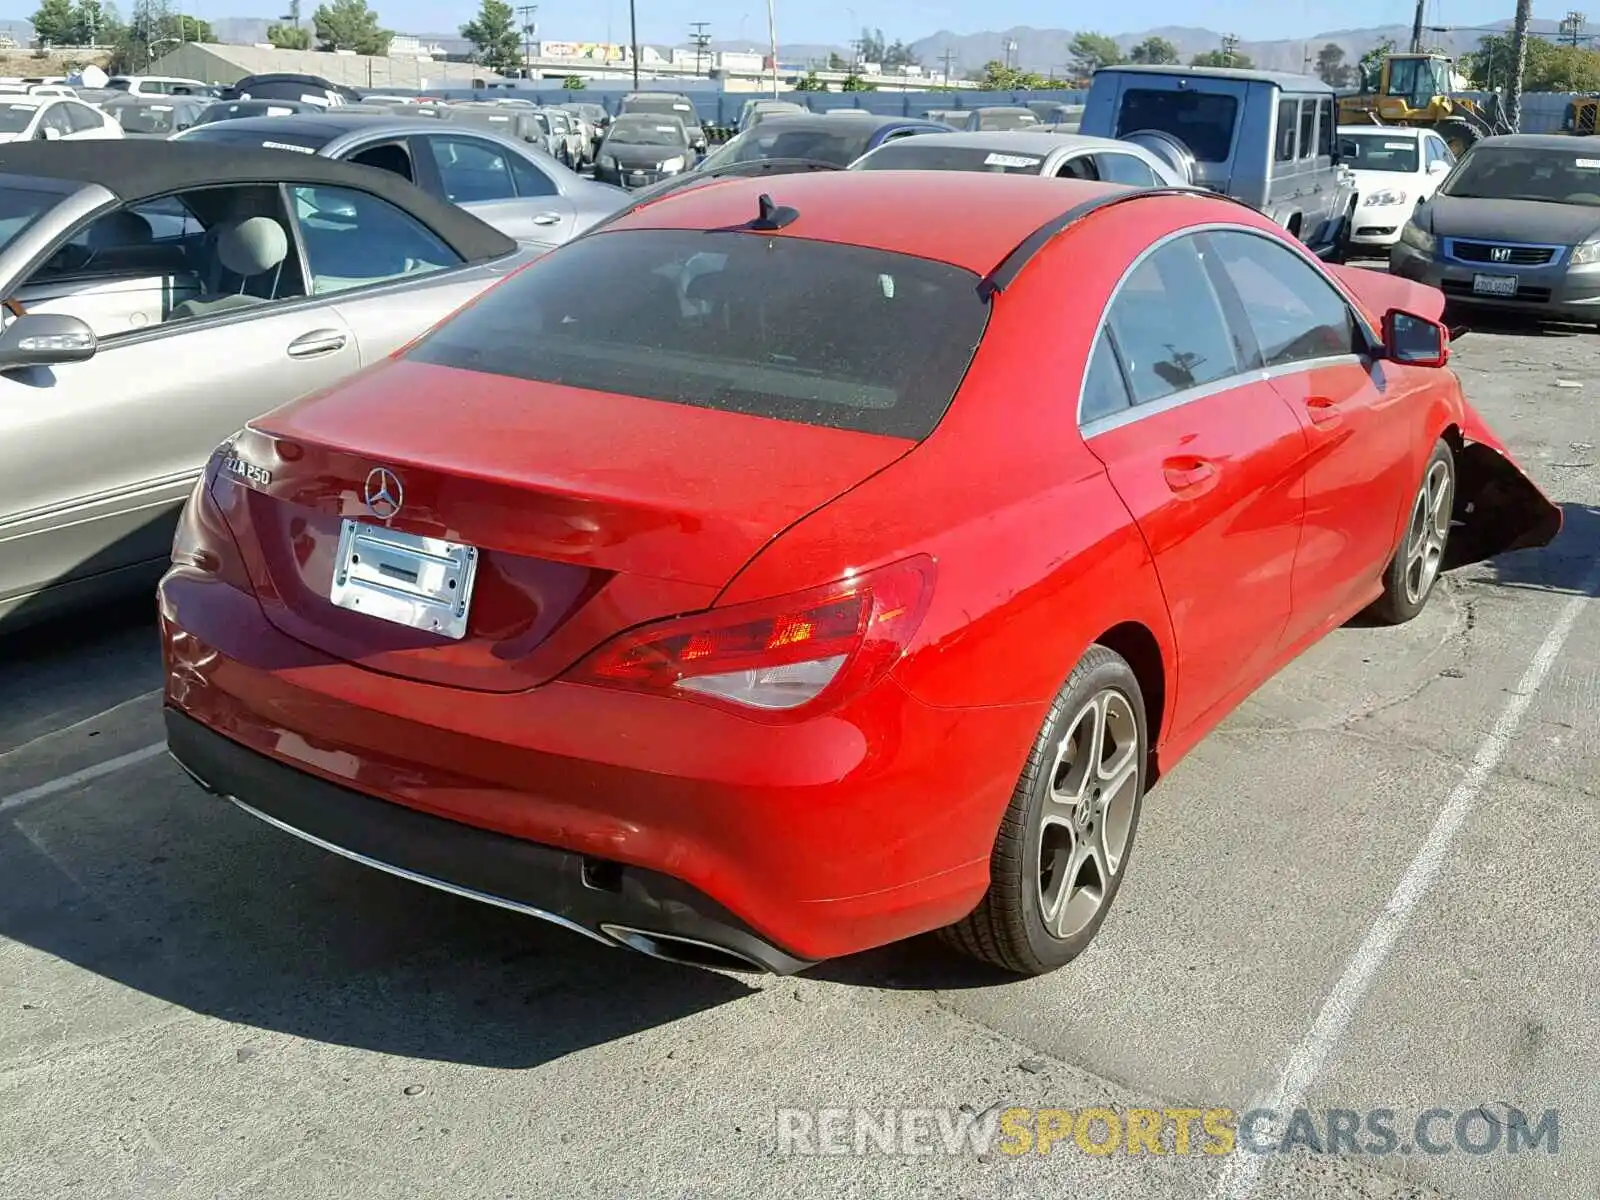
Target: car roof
x=830 y=121
x=327 y=125
x=1002 y=108
x=1032 y=141
x=1398 y=131
x=141 y=170
x=976 y=221
x=1286 y=80
x=1533 y=141
x=26 y=99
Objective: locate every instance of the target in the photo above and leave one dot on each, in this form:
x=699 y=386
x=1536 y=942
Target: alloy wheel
x=1428 y=531
x=1087 y=820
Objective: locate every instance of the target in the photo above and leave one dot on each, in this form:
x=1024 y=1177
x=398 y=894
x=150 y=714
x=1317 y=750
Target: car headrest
x=121 y=228
x=252 y=246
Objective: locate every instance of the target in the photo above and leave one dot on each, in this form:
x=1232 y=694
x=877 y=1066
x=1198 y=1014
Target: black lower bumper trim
x=579 y=893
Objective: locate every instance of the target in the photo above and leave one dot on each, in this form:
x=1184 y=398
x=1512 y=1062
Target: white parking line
x=1239 y=1178
x=68 y=782
x=76 y=724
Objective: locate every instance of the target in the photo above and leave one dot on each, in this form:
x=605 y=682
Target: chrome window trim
x=1136 y=412
x=1239 y=378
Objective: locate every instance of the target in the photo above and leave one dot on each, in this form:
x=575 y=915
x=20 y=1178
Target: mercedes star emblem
x=384 y=495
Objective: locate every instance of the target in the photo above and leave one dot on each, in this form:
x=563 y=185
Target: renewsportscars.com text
x=1015 y=1131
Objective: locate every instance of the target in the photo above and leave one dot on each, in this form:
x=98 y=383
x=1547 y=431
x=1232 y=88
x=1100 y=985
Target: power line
x=1572 y=28
x=1230 y=43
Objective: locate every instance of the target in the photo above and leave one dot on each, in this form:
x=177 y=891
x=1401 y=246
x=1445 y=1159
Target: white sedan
x=1024 y=152
x=1396 y=169
x=53 y=118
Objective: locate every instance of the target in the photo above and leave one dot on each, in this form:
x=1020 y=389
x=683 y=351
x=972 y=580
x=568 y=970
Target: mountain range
x=1045 y=51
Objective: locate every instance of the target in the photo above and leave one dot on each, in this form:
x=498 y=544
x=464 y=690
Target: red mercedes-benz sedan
x=796 y=565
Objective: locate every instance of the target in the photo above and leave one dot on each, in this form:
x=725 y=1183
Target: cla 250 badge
x=247 y=471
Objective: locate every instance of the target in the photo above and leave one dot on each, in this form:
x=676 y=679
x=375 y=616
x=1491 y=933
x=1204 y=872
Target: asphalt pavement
x=1372 y=889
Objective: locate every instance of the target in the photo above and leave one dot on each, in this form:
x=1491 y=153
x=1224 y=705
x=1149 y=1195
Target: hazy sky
x=667 y=21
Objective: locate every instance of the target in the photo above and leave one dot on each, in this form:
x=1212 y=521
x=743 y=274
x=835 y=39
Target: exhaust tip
x=686 y=952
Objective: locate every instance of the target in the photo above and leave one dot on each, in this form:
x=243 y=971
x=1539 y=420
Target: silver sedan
x=510 y=184
x=1034 y=152
x=156 y=297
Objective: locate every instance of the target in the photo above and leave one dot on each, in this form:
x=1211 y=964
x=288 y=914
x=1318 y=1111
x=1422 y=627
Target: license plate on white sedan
x=1494 y=285
x=424 y=583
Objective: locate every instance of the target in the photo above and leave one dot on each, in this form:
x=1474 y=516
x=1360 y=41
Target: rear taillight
x=787 y=656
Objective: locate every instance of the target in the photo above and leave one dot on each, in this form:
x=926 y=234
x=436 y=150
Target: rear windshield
x=914 y=154
x=1379 y=152
x=776 y=138
x=147 y=118
x=228 y=133
x=811 y=332
x=1007 y=118
x=1203 y=121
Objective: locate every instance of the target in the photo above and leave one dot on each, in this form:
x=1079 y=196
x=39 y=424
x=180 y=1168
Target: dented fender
x=1497 y=506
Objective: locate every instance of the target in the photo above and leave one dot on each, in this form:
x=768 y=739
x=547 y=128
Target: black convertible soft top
x=141 y=170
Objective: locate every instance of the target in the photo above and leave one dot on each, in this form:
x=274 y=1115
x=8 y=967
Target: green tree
x=1331 y=66
x=1371 y=63
x=53 y=23
x=854 y=83
x=1217 y=58
x=289 y=37
x=574 y=83
x=836 y=61
x=897 y=56
x=1155 y=51
x=871 y=47
x=1091 y=51
x=187 y=29
x=350 y=25
x=95 y=24
x=810 y=83
x=997 y=77
x=495 y=34
x=1548 y=67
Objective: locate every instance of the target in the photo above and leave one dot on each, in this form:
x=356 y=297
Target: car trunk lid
x=589 y=512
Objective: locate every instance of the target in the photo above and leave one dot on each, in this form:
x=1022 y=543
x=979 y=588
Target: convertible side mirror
x=45 y=340
x=1413 y=340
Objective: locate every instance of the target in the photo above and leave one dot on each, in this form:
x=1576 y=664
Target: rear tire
x=1064 y=843
x=1415 y=568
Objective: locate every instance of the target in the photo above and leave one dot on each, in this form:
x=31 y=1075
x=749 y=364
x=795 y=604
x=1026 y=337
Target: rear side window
x=1202 y=121
x=811 y=332
x=1308 y=128
x=1169 y=327
x=1283 y=149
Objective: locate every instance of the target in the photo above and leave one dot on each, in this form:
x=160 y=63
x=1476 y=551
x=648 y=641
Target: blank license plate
x=1494 y=285
x=424 y=583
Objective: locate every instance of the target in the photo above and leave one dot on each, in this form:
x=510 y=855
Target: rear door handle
x=1188 y=475
x=547 y=219
x=317 y=343
x=1323 y=410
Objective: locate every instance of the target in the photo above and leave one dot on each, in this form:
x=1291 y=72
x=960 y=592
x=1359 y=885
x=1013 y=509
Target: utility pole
x=1011 y=48
x=526 y=11
x=772 y=39
x=1519 y=63
x=948 y=58
x=1230 y=43
x=1572 y=28
x=1416 y=28
x=701 y=39
x=633 y=38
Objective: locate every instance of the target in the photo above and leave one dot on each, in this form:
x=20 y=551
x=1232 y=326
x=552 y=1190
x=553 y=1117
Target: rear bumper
x=852 y=830
x=591 y=896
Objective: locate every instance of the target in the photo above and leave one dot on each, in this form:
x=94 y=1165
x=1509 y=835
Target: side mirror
x=1414 y=341
x=47 y=134
x=1438 y=167
x=45 y=340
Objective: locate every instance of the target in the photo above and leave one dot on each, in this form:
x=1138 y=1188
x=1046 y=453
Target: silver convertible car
x=509 y=184
x=156 y=296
